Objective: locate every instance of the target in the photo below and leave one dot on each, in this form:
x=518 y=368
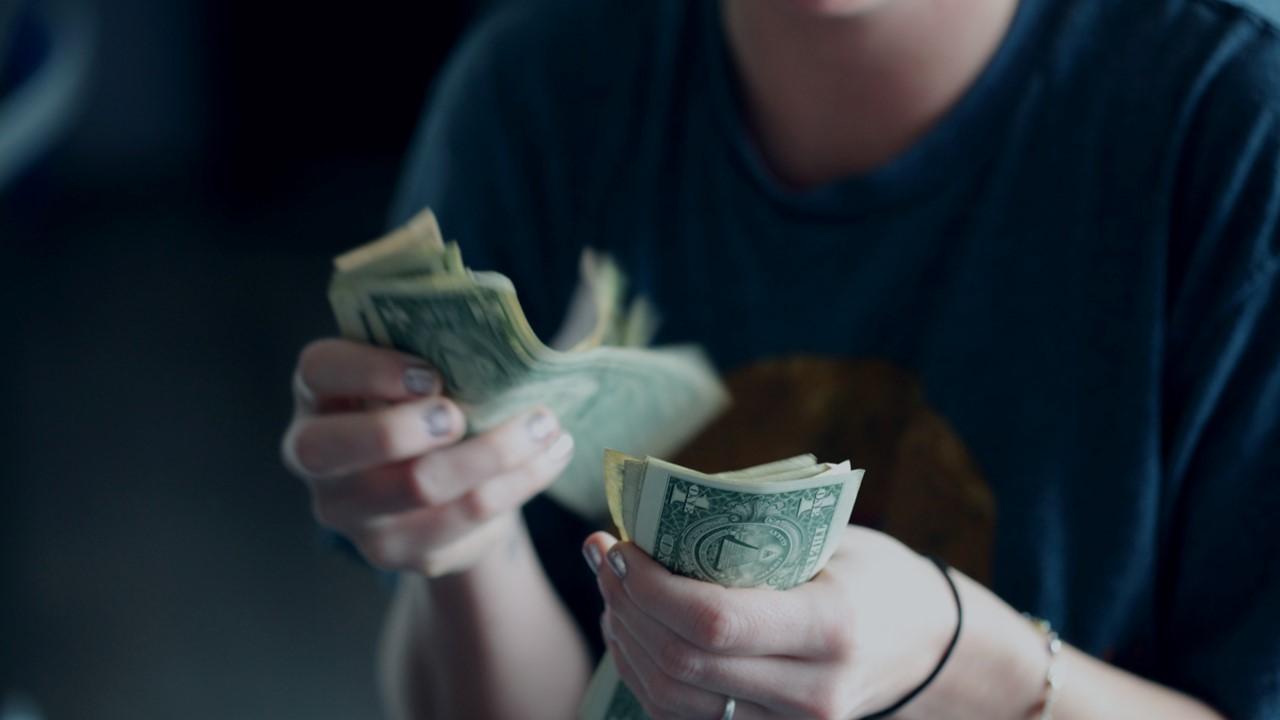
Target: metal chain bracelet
x=1052 y=676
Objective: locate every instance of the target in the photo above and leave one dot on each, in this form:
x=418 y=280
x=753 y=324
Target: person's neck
x=831 y=97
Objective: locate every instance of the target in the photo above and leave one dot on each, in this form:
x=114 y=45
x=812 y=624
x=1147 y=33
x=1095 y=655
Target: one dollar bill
x=773 y=525
x=411 y=291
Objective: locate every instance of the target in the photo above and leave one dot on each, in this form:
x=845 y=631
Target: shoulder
x=1152 y=79
x=1228 y=154
x=1171 y=109
x=541 y=99
x=522 y=84
x=549 y=86
x=1171 y=51
x=1237 y=51
x=1222 y=64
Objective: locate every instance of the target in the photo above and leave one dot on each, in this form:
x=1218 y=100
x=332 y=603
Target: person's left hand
x=860 y=635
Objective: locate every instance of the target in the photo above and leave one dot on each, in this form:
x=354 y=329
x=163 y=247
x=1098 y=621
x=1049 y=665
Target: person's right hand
x=380 y=450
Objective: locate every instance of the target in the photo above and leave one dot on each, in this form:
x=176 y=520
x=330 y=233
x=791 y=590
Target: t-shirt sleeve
x=1219 y=594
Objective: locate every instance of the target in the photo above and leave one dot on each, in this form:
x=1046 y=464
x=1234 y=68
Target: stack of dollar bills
x=774 y=525
x=411 y=291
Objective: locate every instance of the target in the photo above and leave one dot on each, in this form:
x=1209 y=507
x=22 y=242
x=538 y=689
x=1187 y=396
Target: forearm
x=492 y=642
x=997 y=672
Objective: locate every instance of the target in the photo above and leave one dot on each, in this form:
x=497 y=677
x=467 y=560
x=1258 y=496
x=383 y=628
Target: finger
x=349 y=501
x=450 y=473
x=333 y=368
x=627 y=673
x=403 y=540
x=666 y=696
x=771 y=682
x=726 y=621
x=595 y=549
x=437 y=477
x=325 y=446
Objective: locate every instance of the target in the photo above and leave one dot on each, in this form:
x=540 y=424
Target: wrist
x=927 y=665
x=495 y=561
x=997 y=668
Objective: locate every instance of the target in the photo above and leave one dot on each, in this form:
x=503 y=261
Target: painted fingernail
x=592 y=555
x=540 y=425
x=439 y=420
x=420 y=381
x=560 y=447
x=618 y=563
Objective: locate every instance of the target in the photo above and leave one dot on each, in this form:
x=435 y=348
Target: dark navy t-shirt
x=1070 y=282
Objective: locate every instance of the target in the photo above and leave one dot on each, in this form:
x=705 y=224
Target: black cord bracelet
x=951 y=646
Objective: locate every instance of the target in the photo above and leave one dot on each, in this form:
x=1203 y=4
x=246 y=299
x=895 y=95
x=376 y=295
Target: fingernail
x=560 y=447
x=439 y=420
x=618 y=563
x=540 y=425
x=420 y=381
x=592 y=555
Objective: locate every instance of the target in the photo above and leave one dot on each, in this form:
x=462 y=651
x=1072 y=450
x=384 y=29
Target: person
x=1018 y=258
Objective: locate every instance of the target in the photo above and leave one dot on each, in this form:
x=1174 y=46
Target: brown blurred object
x=922 y=485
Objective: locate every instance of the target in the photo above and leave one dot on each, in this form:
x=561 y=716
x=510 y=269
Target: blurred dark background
x=193 y=166
x=169 y=203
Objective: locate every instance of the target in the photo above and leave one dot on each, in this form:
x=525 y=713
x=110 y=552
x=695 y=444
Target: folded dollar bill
x=410 y=290
x=774 y=525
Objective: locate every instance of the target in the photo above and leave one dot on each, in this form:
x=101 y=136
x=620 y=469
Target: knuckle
x=497 y=446
x=840 y=640
x=417 y=484
x=714 y=629
x=384 y=433
x=469 y=459
x=836 y=637
x=428 y=476
x=478 y=506
x=681 y=662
